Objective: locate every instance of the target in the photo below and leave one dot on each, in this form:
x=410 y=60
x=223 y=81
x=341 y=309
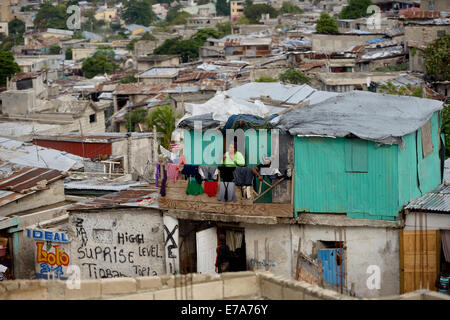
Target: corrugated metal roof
x=277 y=91
x=437 y=201
x=101 y=184
x=18 y=181
x=27 y=154
x=130 y=197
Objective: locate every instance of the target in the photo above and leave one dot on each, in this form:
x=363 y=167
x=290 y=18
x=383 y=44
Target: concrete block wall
x=227 y=286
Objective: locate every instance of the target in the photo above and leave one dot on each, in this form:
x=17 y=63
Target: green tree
x=163 y=118
x=446 y=129
x=355 y=9
x=396 y=67
x=243 y=20
x=68 y=54
x=54 y=49
x=187 y=49
x=176 y=17
x=50 y=16
x=326 y=24
x=437 y=59
x=254 y=12
x=135 y=117
x=100 y=63
x=224 y=28
x=266 y=79
x=16 y=27
x=223 y=7
x=203 y=34
x=294 y=76
x=128 y=79
x=8 y=67
x=26 y=8
x=91 y=23
x=115 y=27
x=288 y=7
x=78 y=34
x=138 y=12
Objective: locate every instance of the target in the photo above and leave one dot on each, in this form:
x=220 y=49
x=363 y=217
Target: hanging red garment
x=211 y=188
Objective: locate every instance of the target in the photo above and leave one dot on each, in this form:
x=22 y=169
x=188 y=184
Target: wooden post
x=255 y=249
x=266 y=245
x=297 y=271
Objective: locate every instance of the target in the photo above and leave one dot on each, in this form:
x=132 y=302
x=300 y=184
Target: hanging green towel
x=193 y=187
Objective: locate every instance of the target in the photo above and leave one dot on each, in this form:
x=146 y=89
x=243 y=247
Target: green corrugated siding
x=330 y=175
x=324 y=182
x=205 y=144
x=429 y=174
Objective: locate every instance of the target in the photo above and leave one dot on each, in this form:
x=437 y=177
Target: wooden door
x=419 y=259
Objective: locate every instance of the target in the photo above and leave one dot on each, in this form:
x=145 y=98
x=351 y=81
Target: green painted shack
x=363 y=154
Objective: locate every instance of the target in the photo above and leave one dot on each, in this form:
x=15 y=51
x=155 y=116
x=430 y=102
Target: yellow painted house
x=106 y=14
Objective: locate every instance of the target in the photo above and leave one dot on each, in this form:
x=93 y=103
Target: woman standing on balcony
x=233 y=158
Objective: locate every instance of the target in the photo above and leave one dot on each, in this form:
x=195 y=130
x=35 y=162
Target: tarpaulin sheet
x=381 y=118
x=248 y=121
x=206 y=120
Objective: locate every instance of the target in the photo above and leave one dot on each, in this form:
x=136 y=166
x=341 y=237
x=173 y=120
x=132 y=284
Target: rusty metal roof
x=124 y=198
x=437 y=201
x=420 y=14
x=18 y=181
x=22 y=179
x=141 y=88
x=26 y=75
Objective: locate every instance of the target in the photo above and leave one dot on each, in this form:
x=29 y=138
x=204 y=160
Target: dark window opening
x=24 y=84
x=92 y=118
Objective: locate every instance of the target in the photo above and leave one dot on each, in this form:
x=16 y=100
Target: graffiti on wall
x=262 y=263
x=116 y=254
x=51 y=256
x=171 y=244
x=51 y=261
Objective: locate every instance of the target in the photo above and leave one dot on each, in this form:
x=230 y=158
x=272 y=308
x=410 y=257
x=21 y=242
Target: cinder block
x=264 y=274
x=241 y=286
x=293 y=293
x=313 y=293
x=199 y=277
x=116 y=286
x=56 y=290
x=32 y=294
x=167 y=294
x=32 y=284
x=165 y=278
x=328 y=294
x=271 y=290
x=146 y=283
x=89 y=289
x=208 y=291
x=179 y=280
x=10 y=285
x=136 y=296
x=233 y=275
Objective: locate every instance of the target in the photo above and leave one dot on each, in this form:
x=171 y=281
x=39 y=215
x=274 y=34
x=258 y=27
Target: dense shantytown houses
x=192 y=150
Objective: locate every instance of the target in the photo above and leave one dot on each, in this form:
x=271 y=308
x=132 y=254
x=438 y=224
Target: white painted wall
x=366 y=246
x=171 y=249
x=434 y=221
x=97 y=231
